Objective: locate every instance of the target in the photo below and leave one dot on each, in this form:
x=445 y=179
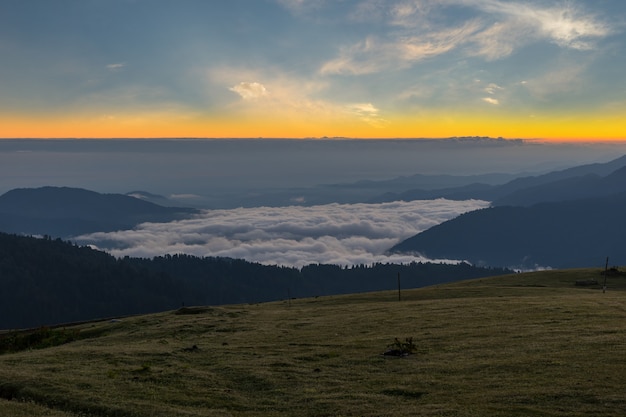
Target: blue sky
x=295 y=68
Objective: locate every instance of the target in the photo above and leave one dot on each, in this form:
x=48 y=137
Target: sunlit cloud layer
x=360 y=68
x=293 y=236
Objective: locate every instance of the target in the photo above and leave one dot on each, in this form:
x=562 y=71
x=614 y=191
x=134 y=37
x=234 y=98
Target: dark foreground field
x=521 y=345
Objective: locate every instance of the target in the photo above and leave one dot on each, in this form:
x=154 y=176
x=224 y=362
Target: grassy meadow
x=521 y=345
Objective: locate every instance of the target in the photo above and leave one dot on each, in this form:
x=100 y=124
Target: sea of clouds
x=340 y=234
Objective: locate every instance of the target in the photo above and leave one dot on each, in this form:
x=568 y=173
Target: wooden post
x=606 y=272
x=399 y=290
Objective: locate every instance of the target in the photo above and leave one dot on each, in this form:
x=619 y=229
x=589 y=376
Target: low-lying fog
x=341 y=234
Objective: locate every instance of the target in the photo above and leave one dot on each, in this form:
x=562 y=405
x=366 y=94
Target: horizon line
x=337 y=138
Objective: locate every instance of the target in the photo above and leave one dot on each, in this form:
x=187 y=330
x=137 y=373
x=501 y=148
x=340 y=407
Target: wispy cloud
x=495 y=29
x=405 y=13
x=368 y=113
x=185 y=196
x=491 y=100
x=492 y=88
x=116 y=67
x=295 y=236
x=565 y=24
x=302 y=6
x=374 y=55
x=499 y=40
x=561 y=79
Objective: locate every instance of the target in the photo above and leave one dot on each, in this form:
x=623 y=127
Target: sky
x=547 y=69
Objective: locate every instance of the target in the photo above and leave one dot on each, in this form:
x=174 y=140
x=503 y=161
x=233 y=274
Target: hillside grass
x=519 y=345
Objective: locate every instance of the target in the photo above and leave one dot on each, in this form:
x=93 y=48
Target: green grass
x=520 y=345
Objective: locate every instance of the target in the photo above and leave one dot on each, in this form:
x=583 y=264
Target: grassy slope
x=521 y=345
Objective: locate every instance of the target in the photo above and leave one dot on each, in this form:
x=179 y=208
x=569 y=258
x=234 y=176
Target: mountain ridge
x=570 y=188
x=66 y=211
x=562 y=234
x=499 y=193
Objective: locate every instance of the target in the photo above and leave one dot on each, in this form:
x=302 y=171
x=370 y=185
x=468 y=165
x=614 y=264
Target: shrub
x=398 y=348
x=40 y=338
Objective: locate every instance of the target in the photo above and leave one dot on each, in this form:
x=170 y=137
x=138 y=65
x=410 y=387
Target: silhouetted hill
x=466 y=192
x=64 y=212
x=48 y=281
x=560 y=234
x=572 y=183
x=368 y=191
x=572 y=188
x=600 y=169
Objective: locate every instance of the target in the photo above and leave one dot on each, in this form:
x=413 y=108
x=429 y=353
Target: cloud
x=343 y=234
x=405 y=13
x=364 y=108
x=492 y=88
x=291 y=97
x=565 y=78
x=185 y=196
x=492 y=29
x=368 y=113
x=116 y=67
x=277 y=89
x=249 y=90
x=499 y=40
x=374 y=55
x=491 y=100
x=301 y=6
x=565 y=25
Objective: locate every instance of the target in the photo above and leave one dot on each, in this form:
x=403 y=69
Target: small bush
x=398 y=348
x=40 y=338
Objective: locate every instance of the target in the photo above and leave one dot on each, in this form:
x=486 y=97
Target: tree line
x=47 y=281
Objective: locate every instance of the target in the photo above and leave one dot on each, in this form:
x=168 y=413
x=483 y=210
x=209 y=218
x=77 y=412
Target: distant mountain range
x=569 y=218
x=587 y=185
x=64 y=212
x=571 y=183
x=363 y=191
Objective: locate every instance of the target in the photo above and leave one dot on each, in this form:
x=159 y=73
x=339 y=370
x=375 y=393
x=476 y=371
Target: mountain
x=479 y=191
x=557 y=234
x=64 y=212
x=570 y=183
x=572 y=188
x=599 y=169
x=363 y=191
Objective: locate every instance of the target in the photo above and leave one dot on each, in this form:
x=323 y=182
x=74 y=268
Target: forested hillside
x=567 y=234
x=46 y=281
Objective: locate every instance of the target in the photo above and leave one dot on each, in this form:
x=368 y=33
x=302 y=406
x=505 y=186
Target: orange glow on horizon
x=431 y=125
